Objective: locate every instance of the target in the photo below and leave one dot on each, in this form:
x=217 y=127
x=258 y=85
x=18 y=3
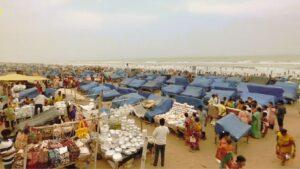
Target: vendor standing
x=160 y=136
x=39 y=102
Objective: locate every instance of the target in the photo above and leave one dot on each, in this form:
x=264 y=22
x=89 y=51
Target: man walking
x=160 y=136
x=39 y=102
x=281 y=111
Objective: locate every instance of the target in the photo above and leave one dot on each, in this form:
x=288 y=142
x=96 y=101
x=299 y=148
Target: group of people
x=193 y=131
x=261 y=118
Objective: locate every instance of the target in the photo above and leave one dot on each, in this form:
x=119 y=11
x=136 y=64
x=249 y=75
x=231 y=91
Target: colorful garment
x=256 y=125
x=188 y=129
x=196 y=131
x=284 y=145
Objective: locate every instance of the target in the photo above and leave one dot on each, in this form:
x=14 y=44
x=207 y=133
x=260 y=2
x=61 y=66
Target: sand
x=260 y=154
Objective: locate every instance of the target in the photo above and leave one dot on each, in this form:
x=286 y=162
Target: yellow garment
x=285 y=143
x=222 y=110
x=9 y=113
x=58 y=99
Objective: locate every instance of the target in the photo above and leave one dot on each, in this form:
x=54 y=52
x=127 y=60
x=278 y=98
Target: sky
x=53 y=30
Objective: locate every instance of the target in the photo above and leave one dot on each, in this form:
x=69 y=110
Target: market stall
x=175 y=116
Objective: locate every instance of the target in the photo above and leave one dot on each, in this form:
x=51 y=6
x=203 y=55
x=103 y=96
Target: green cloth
x=226 y=160
x=256 y=125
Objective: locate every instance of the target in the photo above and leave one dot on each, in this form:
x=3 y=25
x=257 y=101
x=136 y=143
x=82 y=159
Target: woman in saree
x=188 y=128
x=196 y=132
x=224 y=147
x=286 y=147
x=256 y=124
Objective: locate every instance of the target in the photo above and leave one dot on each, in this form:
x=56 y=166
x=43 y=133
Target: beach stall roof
x=178 y=80
x=124 y=90
x=196 y=102
x=172 y=89
x=161 y=79
x=110 y=94
x=221 y=93
x=152 y=85
x=202 y=82
x=290 y=89
x=193 y=91
x=136 y=83
x=98 y=89
x=233 y=125
x=223 y=86
x=261 y=99
x=164 y=106
x=126 y=81
x=129 y=99
x=88 y=86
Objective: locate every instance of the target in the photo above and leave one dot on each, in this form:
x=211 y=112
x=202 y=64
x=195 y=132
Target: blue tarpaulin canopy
x=30 y=93
x=189 y=100
x=152 y=85
x=223 y=86
x=98 y=89
x=202 y=82
x=266 y=89
x=172 y=89
x=178 y=80
x=126 y=81
x=136 y=83
x=261 y=99
x=221 y=93
x=233 y=125
x=193 y=91
x=164 y=106
x=110 y=94
x=290 y=89
x=129 y=99
x=88 y=86
x=161 y=79
x=124 y=90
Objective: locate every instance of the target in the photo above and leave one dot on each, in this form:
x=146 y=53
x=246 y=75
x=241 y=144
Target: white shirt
x=160 y=135
x=40 y=99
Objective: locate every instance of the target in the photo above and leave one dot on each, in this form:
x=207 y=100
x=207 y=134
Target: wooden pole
x=144 y=153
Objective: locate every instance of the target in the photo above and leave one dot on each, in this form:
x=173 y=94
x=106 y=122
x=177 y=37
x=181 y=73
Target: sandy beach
x=260 y=153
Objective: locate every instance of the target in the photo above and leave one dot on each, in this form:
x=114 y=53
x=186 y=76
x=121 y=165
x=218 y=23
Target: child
x=265 y=124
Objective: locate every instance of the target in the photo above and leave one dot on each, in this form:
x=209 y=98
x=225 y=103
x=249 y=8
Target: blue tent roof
x=98 y=89
x=136 y=83
x=124 y=90
x=233 y=125
x=88 y=86
x=223 y=86
x=129 y=99
x=160 y=79
x=110 y=94
x=262 y=99
x=193 y=91
x=189 y=100
x=172 y=89
x=161 y=108
x=221 y=93
x=126 y=81
x=30 y=93
x=290 y=89
x=152 y=85
x=178 y=80
x=202 y=82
